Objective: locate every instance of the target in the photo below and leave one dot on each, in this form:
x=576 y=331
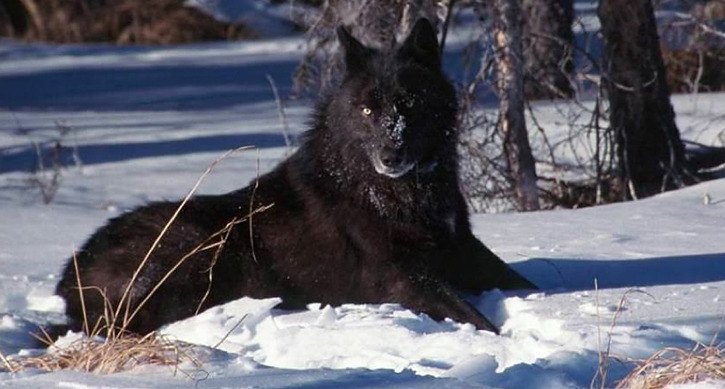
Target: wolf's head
x=395 y=107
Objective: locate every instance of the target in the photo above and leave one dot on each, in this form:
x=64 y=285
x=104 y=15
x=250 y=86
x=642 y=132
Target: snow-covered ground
x=144 y=123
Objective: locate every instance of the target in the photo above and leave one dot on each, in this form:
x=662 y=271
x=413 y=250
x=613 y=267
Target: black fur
x=368 y=210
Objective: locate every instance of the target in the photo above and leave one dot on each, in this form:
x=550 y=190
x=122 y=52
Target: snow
x=146 y=122
x=264 y=18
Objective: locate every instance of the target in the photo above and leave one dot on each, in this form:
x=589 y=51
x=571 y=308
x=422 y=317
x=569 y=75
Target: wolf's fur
x=368 y=210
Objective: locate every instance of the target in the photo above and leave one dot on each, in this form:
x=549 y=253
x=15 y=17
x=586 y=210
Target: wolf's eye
x=366 y=111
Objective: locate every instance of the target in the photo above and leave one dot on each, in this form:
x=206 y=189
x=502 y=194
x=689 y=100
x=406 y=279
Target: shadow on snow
x=167 y=87
x=25 y=158
x=579 y=274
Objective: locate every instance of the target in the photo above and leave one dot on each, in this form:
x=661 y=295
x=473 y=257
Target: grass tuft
x=107 y=355
x=671 y=366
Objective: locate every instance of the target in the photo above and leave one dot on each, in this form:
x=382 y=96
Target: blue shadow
x=579 y=274
x=25 y=159
x=162 y=87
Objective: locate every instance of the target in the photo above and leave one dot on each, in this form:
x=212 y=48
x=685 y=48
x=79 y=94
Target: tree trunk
x=649 y=149
x=507 y=31
x=18 y=16
x=548 y=42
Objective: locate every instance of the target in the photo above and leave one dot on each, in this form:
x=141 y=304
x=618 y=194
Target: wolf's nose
x=391 y=157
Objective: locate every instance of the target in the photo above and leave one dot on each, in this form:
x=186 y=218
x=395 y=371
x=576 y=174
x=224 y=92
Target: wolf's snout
x=391 y=162
x=391 y=158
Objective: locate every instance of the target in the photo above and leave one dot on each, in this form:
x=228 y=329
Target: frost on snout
x=391 y=158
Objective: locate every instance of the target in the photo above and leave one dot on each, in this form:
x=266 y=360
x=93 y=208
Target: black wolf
x=368 y=210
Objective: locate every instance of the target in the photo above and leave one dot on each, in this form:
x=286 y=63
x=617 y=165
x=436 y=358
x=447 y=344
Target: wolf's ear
x=422 y=45
x=356 y=55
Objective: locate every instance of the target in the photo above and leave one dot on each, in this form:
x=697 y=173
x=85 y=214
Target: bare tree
x=17 y=14
x=547 y=47
x=650 y=152
x=375 y=23
x=507 y=31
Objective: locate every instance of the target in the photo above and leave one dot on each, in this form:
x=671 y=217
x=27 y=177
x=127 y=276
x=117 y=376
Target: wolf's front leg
x=475 y=268
x=428 y=294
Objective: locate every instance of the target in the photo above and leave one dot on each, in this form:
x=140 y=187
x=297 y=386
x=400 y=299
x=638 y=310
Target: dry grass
x=668 y=366
x=605 y=354
x=115 y=21
x=671 y=366
x=107 y=346
x=109 y=355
